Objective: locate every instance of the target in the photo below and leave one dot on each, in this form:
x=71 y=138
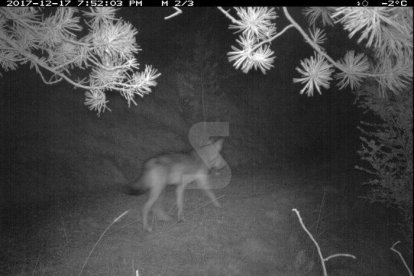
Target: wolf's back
x=139 y=185
x=164 y=169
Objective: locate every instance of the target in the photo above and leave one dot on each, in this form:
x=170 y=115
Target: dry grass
x=255 y=233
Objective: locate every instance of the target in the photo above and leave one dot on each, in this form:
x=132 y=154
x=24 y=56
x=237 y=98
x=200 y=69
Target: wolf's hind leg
x=156 y=180
x=159 y=210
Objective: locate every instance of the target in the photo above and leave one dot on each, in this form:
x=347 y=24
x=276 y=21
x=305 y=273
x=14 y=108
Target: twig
x=310 y=41
x=401 y=257
x=273 y=37
x=103 y=233
x=227 y=14
x=320 y=210
x=193 y=211
x=339 y=255
x=235 y=21
x=37 y=262
x=64 y=229
x=323 y=260
x=177 y=12
x=205 y=204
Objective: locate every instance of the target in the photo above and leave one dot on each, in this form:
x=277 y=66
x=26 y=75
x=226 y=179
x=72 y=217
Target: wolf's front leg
x=180 y=205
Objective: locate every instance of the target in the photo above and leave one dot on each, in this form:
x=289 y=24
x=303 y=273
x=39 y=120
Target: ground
x=254 y=233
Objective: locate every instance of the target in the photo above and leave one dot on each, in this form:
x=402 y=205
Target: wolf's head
x=211 y=156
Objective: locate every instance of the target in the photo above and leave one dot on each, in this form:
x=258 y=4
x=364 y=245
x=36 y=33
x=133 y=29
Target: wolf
x=178 y=169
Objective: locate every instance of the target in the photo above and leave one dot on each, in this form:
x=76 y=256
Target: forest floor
x=254 y=233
